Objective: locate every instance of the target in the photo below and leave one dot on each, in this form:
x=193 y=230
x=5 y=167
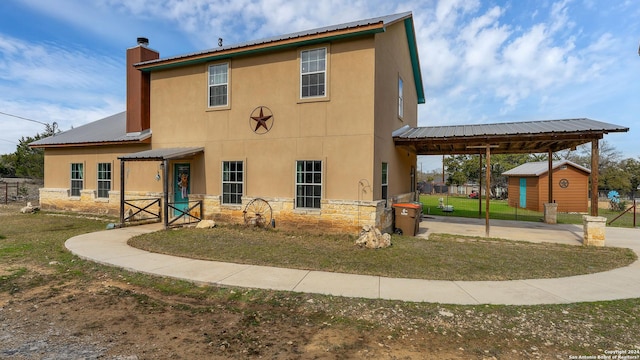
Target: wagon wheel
x=257 y=213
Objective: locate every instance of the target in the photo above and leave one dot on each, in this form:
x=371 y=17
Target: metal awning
x=505 y=138
x=162 y=154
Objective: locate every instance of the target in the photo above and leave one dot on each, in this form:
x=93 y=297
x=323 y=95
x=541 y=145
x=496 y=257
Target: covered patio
x=164 y=156
x=547 y=136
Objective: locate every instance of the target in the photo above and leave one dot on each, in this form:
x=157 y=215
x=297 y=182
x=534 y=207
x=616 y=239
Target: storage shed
x=528 y=184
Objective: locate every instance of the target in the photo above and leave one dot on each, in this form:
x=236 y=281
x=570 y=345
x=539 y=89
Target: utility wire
x=23 y=118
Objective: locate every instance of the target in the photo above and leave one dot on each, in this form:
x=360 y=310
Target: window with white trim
x=104 y=179
x=400 y=98
x=308 y=183
x=77 y=179
x=232 y=182
x=385 y=182
x=218 y=85
x=313 y=73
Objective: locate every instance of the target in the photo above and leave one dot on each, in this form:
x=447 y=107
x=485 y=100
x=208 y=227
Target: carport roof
x=504 y=138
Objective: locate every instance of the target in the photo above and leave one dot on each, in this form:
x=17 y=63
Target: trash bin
x=407 y=218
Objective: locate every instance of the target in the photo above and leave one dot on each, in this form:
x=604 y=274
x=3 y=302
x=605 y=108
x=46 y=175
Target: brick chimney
x=138 y=87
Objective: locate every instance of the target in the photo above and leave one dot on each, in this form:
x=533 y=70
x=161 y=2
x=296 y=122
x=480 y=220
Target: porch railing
x=190 y=215
x=141 y=210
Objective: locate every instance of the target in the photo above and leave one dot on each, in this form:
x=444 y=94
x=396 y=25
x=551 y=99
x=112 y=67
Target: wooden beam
x=488 y=186
x=595 y=158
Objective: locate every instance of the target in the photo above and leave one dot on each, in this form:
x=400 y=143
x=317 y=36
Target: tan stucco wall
x=392 y=62
x=337 y=130
x=57 y=178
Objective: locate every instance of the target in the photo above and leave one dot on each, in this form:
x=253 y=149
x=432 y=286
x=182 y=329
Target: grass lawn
x=45 y=290
x=499 y=209
x=441 y=257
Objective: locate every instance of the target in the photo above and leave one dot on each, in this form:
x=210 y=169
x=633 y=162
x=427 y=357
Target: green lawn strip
x=500 y=210
x=441 y=257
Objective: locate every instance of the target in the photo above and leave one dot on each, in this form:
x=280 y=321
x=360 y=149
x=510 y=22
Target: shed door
x=523 y=192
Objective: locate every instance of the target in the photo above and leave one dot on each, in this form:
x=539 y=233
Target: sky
x=63 y=61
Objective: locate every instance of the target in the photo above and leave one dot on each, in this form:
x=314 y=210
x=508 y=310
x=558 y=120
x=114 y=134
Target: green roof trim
x=214 y=57
x=415 y=61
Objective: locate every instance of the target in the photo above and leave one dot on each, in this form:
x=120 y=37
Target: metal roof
x=512 y=137
x=110 y=130
x=162 y=154
x=541 y=167
x=384 y=20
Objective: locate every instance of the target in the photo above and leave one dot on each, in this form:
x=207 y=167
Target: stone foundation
x=334 y=216
x=594 y=230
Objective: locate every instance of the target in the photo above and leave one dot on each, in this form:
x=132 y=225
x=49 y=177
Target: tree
x=26 y=161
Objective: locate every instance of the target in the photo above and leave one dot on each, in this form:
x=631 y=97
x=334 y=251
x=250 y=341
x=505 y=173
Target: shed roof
x=511 y=137
x=307 y=37
x=106 y=131
x=541 y=167
x=162 y=154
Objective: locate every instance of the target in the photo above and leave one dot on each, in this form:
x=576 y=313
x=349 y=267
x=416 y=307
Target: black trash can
x=407 y=218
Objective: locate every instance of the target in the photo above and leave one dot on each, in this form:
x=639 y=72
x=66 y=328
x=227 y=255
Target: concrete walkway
x=110 y=247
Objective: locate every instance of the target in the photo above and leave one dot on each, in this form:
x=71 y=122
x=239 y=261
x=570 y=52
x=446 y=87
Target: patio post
x=121 y=192
x=165 y=189
x=595 y=155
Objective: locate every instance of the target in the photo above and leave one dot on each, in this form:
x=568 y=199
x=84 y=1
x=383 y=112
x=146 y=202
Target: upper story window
x=400 y=98
x=104 y=179
x=313 y=73
x=218 y=85
x=77 y=178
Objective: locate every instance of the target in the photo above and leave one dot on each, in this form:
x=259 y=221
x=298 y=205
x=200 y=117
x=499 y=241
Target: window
x=232 y=181
x=218 y=85
x=308 y=184
x=104 y=179
x=77 y=179
x=313 y=65
x=385 y=182
x=400 y=98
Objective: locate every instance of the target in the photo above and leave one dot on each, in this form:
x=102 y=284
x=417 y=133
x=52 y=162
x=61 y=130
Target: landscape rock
x=206 y=224
x=372 y=238
x=29 y=209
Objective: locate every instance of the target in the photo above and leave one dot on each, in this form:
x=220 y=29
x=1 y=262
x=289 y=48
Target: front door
x=523 y=192
x=182 y=187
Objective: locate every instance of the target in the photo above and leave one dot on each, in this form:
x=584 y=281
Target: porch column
x=480 y=186
x=165 y=189
x=595 y=156
x=550 y=208
x=550 y=167
x=488 y=186
x=121 y=192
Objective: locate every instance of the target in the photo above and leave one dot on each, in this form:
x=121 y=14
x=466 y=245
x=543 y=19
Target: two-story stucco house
x=303 y=121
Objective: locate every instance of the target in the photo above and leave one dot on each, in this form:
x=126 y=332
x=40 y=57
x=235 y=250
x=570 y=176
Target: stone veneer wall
x=88 y=202
x=335 y=216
